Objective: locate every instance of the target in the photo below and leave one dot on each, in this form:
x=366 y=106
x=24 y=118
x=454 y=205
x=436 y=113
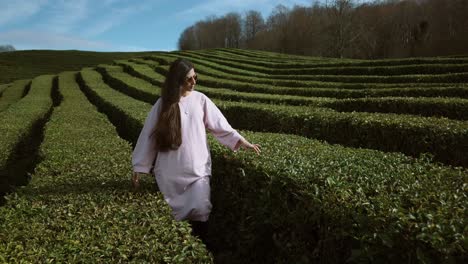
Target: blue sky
x=113 y=25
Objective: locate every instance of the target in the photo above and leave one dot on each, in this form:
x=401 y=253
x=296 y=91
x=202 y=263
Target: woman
x=173 y=141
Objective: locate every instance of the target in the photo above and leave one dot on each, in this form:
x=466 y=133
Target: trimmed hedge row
x=3 y=87
x=310 y=73
x=315 y=92
x=141 y=70
x=361 y=70
x=454 y=108
x=272 y=59
x=147 y=74
x=262 y=54
x=331 y=62
x=141 y=61
x=411 y=135
x=208 y=66
x=283 y=58
x=216 y=74
x=230 y=95
x=115 y=76
x=92 y=84
x=18 y=123
x=264 y=66
x=446 y=139
x=13 y=93
x=224 y=66
x=265 y=56
x=79 y=206
x=303 y=201
x=223 y=80
x=306 y=201
x=255 y=59
x=459 y=75
x=444 y=107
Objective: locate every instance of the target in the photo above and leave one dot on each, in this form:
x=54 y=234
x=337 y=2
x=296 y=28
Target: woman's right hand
x=247 y=145
x=136 y=180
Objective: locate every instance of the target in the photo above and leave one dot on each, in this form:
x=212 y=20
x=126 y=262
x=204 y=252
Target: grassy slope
x=31 y=63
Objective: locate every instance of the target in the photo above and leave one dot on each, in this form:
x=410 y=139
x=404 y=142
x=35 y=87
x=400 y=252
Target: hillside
x=27 y=64
x=363 y=161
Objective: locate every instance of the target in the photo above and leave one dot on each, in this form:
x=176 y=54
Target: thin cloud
x=80 y=24
x=68 y=24
x=84 y=17
x=25 y=39
x=110 y=2
x=116 y=16
x=49 y=40
x=65 y=16
x=215 y=7
x=14 y=11
x=221 y=7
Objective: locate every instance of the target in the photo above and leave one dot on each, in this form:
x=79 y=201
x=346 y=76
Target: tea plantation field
x=363 y=161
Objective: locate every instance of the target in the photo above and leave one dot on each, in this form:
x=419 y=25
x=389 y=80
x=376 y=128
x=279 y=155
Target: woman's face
x=190 y=81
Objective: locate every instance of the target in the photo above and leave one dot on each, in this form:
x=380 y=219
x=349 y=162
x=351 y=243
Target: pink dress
x=183 y=175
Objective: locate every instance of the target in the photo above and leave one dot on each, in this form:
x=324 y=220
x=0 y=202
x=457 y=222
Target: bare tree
x=233 y=27
x=187 y=40
x=374 y=24
x=340 y=27
x=447 y=26
x=277 y=28
x=253 y=24
x=303 y=30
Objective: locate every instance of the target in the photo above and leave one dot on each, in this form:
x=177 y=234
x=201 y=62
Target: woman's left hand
x=136 y=180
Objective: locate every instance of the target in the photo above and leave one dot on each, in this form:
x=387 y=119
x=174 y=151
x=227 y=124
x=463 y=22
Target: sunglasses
x=194 y=77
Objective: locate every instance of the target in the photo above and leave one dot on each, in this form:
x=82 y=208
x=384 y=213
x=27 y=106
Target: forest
x=341 y=29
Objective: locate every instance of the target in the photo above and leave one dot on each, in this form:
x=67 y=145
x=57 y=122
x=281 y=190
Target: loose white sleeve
x=145 y=152
x=217 y=125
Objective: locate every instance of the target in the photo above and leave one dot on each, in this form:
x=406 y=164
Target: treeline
x=7 y=48
x=341 y=28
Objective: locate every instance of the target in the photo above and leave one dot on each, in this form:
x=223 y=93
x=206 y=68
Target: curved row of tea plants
x=306 y=72
x=17 y=124
x=275 y=73
x=455 y=108
x=3 y=87
x=133 y=86
x=145 y=91
x=411 y=135
x=13 y=93
x=290 y=62
x=264 y=57
x=303 y=199
x=213 y=82
x=79 y=206
x=351 y=82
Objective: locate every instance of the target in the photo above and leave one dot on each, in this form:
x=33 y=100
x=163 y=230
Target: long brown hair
x=168 y=128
